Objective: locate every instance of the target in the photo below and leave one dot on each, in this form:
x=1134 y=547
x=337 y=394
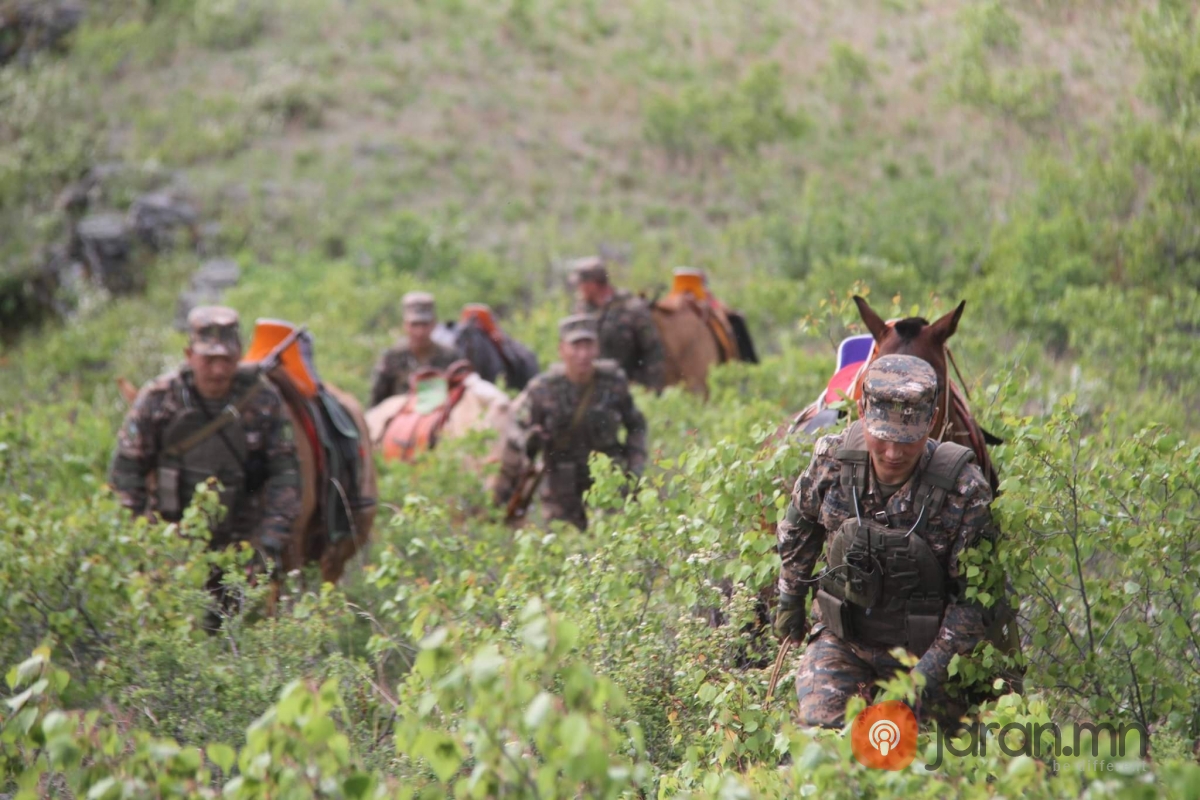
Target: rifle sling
x=585 y=399
x=228 y=414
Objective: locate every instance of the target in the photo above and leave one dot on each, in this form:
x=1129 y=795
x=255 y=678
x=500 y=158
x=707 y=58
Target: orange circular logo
x=884 y=736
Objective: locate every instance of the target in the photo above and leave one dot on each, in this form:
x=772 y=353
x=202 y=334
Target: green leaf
x=222 y=755
x=574 y=733
x=358 y=786
x=486 y=664
x=104 y=789
x=539 y=709
x=16 y=703
x=441 y=751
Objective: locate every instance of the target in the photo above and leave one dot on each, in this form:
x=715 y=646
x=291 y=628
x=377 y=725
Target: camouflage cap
x=419 y=307
x=213 y=331
x=577 y=327
x=899 y=394
x=590 y=268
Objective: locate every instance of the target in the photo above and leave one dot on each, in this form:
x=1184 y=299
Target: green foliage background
x=1039 y=160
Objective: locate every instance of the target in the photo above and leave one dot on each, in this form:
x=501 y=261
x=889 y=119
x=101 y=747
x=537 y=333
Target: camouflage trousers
x=566 y=510
x=832 y=671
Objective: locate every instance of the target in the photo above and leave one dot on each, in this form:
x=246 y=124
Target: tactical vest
x=196 y=447
x=885 y=586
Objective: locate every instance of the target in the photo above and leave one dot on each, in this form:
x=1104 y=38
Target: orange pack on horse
x=333 y=448
x=698 y=331
x=439 y=405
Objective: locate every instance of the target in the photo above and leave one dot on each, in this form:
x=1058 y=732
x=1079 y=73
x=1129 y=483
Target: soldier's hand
x=534 y=441
x=271 y=550
x=790 y=619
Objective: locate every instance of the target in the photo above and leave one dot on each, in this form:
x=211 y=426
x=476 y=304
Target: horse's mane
x=910 y=328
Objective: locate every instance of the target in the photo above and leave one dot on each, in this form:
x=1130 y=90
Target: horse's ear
x=873 y=321
x=946 y=324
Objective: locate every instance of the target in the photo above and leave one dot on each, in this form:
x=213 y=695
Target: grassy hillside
x=1039 y=159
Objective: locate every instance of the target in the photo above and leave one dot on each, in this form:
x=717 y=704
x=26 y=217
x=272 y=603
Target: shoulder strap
x=228 y=414
x=585 y=400
x=854 y=457
x=940 y=477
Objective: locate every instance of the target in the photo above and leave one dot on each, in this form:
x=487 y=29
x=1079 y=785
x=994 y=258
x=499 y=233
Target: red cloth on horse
x=842 y=382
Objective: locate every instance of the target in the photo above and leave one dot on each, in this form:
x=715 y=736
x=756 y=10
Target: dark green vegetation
x=1041 y=160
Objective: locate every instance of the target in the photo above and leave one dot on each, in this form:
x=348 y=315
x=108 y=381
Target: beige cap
x=213 y=331
x=577 y=327
x=419 y=307
x=589 y=268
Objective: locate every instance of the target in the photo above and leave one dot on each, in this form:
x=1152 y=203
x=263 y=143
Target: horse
x=697 y=332
x=438 y=406
x=913 y=336
x=338 y=488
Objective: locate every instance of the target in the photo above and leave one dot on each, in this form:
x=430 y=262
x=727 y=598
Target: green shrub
x=289 y=95
x=230 y=24
x=703 y=122
x=1028 y=95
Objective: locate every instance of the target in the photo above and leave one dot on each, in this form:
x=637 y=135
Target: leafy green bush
x=1028 y=95
x=1104 y=560
x=230 y=24
x=703 y=122
x=288 y=94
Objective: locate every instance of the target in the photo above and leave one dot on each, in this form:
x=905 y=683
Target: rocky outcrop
x=30 y=26
x=207 y=286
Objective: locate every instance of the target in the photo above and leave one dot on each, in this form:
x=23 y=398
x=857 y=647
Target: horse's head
x=913 y=336
x=916 y=336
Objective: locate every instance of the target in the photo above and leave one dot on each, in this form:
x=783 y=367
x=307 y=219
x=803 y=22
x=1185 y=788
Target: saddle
x=328 y=443
x=405 y=425
x=728 y=328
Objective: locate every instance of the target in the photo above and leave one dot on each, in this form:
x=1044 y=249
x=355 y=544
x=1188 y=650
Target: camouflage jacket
x=628 y=336
x=397 y=364
x=820 y=504
x=264 y=515
x=549 y=405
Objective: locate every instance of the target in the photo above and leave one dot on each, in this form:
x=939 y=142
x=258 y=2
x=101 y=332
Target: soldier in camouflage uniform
x=626 y=330
x=212 y=419
x=416 y=349
x=568 y=412
x=893 y=542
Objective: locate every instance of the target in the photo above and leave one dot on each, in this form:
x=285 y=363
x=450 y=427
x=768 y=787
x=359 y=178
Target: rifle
x=522 y=496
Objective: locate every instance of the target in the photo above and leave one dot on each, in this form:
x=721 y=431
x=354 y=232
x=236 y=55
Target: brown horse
x=916 y=336
x=689 y=346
